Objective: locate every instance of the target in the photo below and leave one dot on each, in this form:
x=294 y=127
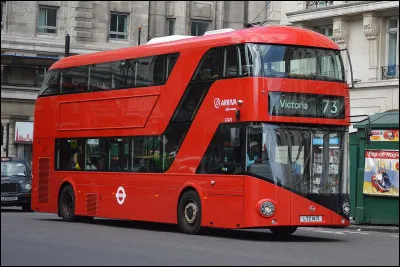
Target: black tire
x=27 y=208
x=189 y=213
x=66 y=204
x=283 y=230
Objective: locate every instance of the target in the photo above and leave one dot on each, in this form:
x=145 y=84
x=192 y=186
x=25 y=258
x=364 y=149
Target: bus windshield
x=285 y=61
x=307 y=160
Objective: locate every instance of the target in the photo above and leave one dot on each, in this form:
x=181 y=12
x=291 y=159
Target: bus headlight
x=267 y=209
x=346 y=208
x=28 y=186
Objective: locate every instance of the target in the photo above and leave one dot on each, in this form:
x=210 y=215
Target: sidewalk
x=373 y=227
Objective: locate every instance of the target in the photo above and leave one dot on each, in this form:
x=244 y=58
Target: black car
x=16 y=183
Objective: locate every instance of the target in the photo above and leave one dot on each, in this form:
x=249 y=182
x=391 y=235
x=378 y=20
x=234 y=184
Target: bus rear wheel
x=66 y=204
x=189 y=213
x=283 y=230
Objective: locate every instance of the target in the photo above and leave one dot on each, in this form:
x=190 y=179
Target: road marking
x=330 y=232
x=395 y=236
x=353 y=232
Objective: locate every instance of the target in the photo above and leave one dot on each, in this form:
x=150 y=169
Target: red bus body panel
x=232 y=202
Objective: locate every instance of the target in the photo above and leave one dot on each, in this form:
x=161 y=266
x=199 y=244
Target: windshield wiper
x=18 y=175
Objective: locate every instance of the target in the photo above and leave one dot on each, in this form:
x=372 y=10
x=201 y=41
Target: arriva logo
x=224 y=103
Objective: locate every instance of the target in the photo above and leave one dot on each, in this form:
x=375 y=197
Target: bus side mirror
x=368 y=131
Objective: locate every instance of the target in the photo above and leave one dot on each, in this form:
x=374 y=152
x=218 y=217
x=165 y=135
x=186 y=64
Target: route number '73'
x=332 y=104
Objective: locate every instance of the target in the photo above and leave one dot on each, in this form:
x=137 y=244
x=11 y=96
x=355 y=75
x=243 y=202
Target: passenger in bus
x=252 y=156
x=90 y=165
x=77 y=162
x=101 y=163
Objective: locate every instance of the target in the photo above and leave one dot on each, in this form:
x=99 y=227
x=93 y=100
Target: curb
x=374 y=228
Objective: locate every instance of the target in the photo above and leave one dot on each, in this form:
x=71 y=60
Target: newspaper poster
x=381 y=174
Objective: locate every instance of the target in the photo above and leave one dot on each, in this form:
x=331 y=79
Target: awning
x=22 y=60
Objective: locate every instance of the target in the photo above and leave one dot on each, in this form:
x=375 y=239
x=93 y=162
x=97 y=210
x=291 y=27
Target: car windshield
x=13 y=169
x=304 y=159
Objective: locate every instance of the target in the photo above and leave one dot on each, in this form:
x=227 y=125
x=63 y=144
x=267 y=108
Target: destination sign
x=306 y=105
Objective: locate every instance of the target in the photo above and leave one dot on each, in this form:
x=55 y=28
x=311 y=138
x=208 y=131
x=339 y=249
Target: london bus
x=238 y=129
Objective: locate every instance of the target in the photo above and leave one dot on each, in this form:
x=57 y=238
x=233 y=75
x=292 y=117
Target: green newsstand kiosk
x=374 y=170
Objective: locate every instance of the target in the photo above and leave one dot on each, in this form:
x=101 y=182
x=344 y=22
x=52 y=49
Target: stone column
x=157 y=21
x=371 y=25
x=235 y=14
x=341 y=34
x=81 y=21
x=219 y=17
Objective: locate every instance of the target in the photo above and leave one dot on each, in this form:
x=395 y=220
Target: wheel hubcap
x=191 y=212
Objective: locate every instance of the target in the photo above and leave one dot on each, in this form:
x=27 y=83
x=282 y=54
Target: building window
x=3 y=13
x=170 y=26
x=47 y=20
x=199 y=27
x=317 y=4
x=392 y=47
x=119 y=26
x=325 y=30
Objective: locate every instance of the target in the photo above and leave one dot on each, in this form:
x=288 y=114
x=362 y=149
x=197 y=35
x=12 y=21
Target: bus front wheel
x=66 y=204
x=189 y=213
x=283 y=230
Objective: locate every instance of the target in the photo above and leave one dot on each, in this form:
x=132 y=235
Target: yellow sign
x=385 y=135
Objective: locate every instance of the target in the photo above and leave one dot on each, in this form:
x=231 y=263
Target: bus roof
x=286 y=35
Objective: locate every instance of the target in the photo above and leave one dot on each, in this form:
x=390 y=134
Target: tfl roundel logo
x=120 y=195
x=217 y=102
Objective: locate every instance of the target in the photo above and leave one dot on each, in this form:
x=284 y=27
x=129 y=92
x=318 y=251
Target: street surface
x=44 y=239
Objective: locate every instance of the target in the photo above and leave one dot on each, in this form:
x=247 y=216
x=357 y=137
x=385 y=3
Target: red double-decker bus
x=239 y=129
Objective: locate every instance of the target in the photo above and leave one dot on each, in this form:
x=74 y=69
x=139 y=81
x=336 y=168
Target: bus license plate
x=310 y=218
x=9 y=198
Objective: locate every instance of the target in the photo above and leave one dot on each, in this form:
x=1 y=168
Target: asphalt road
x=44 y=239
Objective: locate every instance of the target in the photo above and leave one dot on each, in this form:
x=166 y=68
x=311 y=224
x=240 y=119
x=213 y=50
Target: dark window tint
x=144 y=71
x=210 y=67
x=225 y=152
x=70 y=154
x=211 y=162
x=171 y=60
x=74 y=80
x=100 y=77
x=146 y=154
x=190 y=102
x=97 y=154
x=173 y=138
x=246 y=61
x=51 y=83
x=199 y=27
x=230 y=62
x=123 y=74
x=160 y=71
x=119 y=154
